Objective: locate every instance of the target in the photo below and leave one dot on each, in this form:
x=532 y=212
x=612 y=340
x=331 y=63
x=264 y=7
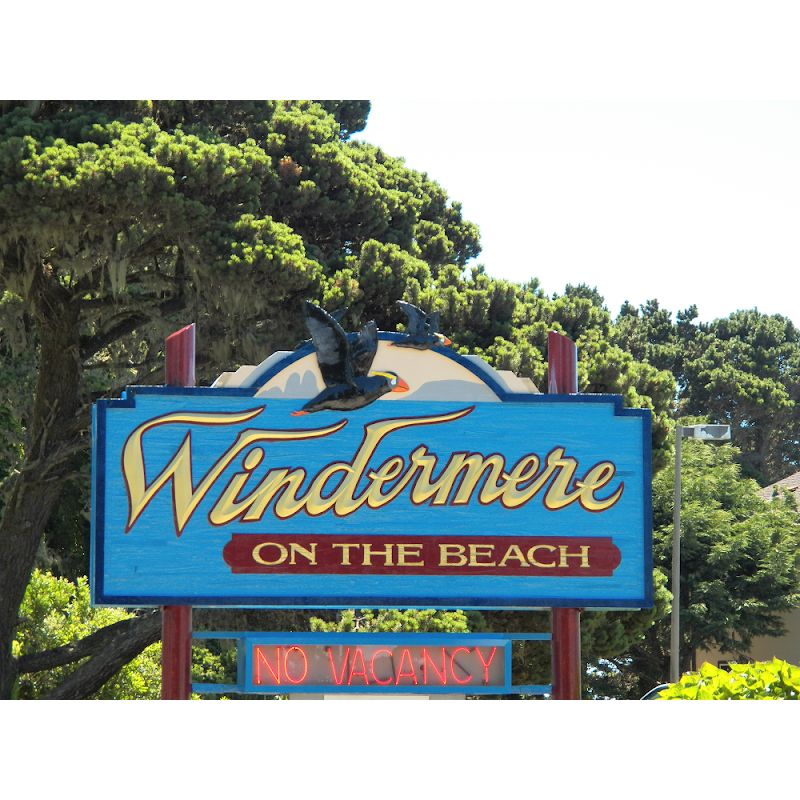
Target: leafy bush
x=56 y=612
x=764 y=680
x=393 y=620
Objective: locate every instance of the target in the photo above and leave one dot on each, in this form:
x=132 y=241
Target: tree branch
x=91 y=345
x=106 y=662
x=75 y=651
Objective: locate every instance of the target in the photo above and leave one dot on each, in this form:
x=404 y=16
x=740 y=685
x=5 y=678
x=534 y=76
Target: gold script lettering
x=185 y=496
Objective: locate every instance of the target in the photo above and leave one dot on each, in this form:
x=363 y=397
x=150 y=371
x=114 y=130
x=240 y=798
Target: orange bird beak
x=402 y=386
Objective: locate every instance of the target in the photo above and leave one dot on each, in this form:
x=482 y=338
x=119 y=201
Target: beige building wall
x=765 y=648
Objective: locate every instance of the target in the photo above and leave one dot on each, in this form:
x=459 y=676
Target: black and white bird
x=337 y=315
x=422 y=332
x=344 y=364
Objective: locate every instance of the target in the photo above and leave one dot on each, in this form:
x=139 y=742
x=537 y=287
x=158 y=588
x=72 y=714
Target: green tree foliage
x=649 y=335
x=745 y=371
x=120 y=222
x=395 y=620
x=742 y=370
x=55 y=613
x=215 y=661
x=740 y=568
x=739 y=555
x=764 y=680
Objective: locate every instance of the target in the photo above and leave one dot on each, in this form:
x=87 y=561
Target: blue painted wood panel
x=170 y=550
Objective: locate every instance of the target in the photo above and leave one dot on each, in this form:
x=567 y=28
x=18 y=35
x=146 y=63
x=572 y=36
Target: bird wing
x=362 y=350
x=416 y=318
x=330 y=342
x=433 y=322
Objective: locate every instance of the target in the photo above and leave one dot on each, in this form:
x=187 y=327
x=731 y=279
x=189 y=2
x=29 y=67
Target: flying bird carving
x=338 y=315
x=422 y=331
x=344 y=363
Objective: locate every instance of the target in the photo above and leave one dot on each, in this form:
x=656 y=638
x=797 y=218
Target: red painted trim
x=176 y=630
x=566 y=622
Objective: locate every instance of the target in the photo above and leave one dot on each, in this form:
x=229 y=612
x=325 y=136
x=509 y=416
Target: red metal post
x=566 y=662
x=562 y=361
x=180 y=357
x=176 y=647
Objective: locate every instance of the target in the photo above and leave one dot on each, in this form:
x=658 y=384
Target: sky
x=650 y=156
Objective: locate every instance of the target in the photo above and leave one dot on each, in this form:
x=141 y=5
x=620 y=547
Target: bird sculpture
x=337 y=315
x=422 y=332
x=344 y=363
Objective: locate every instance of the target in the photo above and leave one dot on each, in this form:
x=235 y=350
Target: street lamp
x=709 y=433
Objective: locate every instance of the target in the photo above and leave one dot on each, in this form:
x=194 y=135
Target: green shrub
x=56 y=612
x=764 y=680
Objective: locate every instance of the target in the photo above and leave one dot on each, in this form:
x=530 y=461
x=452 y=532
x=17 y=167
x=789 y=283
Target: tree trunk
x=51 y=437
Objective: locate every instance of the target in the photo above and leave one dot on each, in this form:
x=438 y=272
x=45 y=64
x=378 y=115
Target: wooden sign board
x=466 y=491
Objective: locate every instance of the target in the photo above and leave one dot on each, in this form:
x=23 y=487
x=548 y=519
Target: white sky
x=652 y=155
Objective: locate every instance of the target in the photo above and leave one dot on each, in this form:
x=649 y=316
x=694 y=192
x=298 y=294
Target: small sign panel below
x=278 y=667
x=373 y=663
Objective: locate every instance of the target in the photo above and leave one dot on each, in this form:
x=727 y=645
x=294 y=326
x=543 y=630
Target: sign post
x=176 y=637
x=562 y=354
x=710 y=433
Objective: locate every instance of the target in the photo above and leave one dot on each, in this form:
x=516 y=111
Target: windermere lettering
x=425 y=478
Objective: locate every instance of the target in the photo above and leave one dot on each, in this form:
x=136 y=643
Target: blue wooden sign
x=465 y=490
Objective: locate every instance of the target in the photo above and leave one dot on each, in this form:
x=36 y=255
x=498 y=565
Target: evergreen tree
x=740 y=568
x=120 y=222
x=742 y=370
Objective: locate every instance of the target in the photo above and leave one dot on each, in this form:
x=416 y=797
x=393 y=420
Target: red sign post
x=176 y=647
x=562 y=356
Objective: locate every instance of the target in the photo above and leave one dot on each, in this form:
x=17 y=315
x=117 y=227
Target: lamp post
x=710 y=433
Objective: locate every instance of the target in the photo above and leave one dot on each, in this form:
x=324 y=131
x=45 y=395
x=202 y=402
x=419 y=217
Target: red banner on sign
x=558 y=556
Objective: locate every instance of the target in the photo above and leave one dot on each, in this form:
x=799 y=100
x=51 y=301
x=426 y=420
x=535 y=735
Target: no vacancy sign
x=458 y=487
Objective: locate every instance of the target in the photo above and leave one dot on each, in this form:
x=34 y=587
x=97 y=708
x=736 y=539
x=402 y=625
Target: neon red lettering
x=261 y=656
x=441 y=675
x=286 y=665
x=372 y=665
x=401 y=674
x=485 y=663
x=452 y=669
x=338 y=680
x=362 y=671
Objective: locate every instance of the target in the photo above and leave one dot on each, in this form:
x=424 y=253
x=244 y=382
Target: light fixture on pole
x=709 y=433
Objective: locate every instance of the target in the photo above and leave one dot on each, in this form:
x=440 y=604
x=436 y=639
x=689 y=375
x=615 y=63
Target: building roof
x=792 y=483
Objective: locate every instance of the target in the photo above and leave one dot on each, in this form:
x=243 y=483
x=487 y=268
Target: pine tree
x=121 y=221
